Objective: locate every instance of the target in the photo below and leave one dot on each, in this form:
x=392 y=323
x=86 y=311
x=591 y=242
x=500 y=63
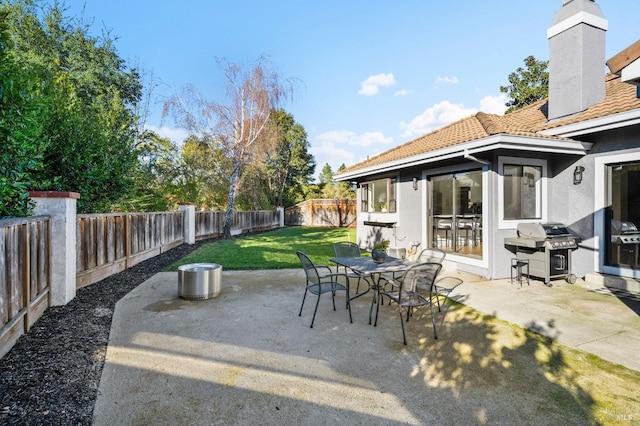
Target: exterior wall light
x=577 y=175
x=415 y=183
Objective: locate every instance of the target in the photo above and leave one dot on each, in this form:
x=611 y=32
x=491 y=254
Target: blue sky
x=373 y=74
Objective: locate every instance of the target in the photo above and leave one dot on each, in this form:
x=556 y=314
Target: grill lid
x=542 y=230
x=621 y=227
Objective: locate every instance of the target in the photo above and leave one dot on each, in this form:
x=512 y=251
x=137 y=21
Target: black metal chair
x=320 y=283
x=348 y=249
x=443 y=287
x=431 y=255
x=416 y=288
x=434 y=255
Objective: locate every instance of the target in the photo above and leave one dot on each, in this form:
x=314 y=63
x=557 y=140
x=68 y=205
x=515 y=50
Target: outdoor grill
x=625 y=239
x=547 y=247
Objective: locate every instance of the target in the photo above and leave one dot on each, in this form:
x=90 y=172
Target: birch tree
x=237 y=125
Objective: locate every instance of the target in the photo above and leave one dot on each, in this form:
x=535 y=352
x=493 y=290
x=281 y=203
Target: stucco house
x=573 y=158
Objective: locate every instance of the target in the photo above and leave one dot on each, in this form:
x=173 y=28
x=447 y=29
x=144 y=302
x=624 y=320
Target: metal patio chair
x=431 y=255
x=416 y=288
x=319 y=283
x=348 y=249
x=434 y=255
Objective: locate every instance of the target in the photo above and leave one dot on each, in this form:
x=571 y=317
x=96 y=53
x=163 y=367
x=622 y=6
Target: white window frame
x=601 y=189
x=541 y=190
x=391 y=182
x=487 y=236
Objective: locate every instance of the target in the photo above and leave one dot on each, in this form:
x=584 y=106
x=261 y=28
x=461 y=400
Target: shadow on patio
x=246 y=357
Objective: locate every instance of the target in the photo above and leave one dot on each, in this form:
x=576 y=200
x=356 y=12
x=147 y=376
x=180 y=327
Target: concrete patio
x=246 y=357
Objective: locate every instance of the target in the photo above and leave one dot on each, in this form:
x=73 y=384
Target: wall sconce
x=577 y=175
x=415 y=183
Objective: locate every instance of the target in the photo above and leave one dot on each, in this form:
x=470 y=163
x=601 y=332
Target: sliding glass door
x=623 y=215
x=456 y=212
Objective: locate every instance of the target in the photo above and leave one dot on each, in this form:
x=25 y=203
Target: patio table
x=371 y=272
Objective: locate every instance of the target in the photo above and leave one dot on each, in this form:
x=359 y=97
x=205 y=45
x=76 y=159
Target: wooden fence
x=25 y=276
x=105 y=244
x=209 y=223
x=110 y=243
x=322 y=212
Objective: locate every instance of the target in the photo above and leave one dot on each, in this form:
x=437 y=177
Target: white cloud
x=345 y=137
x=494 y=104
x=343 y=147
x=371 y=86
x=332 y=155
x=435 y=117
x=176 y=135
x=371 y=138
x=447 y=80
x=403 y=92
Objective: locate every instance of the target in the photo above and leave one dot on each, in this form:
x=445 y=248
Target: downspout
x=468 y=156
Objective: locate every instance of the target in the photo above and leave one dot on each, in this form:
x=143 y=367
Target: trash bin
x=199 y=281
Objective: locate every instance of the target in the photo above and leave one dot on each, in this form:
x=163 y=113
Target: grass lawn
x=271 y=250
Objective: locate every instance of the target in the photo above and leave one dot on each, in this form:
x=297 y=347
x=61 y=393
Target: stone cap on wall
x=54 y=194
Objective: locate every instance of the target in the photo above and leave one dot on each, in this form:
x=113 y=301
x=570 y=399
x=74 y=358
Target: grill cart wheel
x=571 y=278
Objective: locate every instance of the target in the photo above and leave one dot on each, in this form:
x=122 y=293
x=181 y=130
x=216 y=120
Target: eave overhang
x=609 y=122
x=478 y=146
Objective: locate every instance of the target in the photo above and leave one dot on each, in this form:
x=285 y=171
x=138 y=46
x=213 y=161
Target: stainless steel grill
x=625 y=243
x=548 y=247
x=624 y=232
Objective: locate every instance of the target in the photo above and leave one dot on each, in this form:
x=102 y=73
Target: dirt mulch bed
x=51 y=375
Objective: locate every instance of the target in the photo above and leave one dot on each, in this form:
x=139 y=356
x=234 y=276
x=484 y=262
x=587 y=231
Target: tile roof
x=527 y=121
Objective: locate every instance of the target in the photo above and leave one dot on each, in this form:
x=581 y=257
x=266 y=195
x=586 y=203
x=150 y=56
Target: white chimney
x=576 y=58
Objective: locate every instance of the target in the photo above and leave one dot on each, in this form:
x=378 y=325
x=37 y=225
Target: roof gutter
x=468 y=149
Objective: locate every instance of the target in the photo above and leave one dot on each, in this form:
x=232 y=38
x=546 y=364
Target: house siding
x=590 y=120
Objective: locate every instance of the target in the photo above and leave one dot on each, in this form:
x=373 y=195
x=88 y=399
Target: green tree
x=326 y=175
x=204 y=173
x=21 y=143
x=92 y=94
x=527 y=85
x=254 y=193
x=333 y=189
x=155 y=177
x=290 y=165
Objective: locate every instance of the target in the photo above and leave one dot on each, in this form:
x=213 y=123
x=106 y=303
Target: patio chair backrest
x=431 y=255
x=309 y=268
x=346 y=249
x=419 y=278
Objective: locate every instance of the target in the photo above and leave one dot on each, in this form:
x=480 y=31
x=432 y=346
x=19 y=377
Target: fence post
x=281 y=213
x=61 y=207
x=189 y=210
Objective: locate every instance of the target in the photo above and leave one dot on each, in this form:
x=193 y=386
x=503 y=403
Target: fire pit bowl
x=199 y=281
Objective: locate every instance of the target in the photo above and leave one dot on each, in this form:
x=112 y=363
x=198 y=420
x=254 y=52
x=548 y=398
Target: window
x=522 y=191
x=521 y=187
x=379 y=196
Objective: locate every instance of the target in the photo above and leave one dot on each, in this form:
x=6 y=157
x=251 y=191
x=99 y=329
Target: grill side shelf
x=524 y=242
